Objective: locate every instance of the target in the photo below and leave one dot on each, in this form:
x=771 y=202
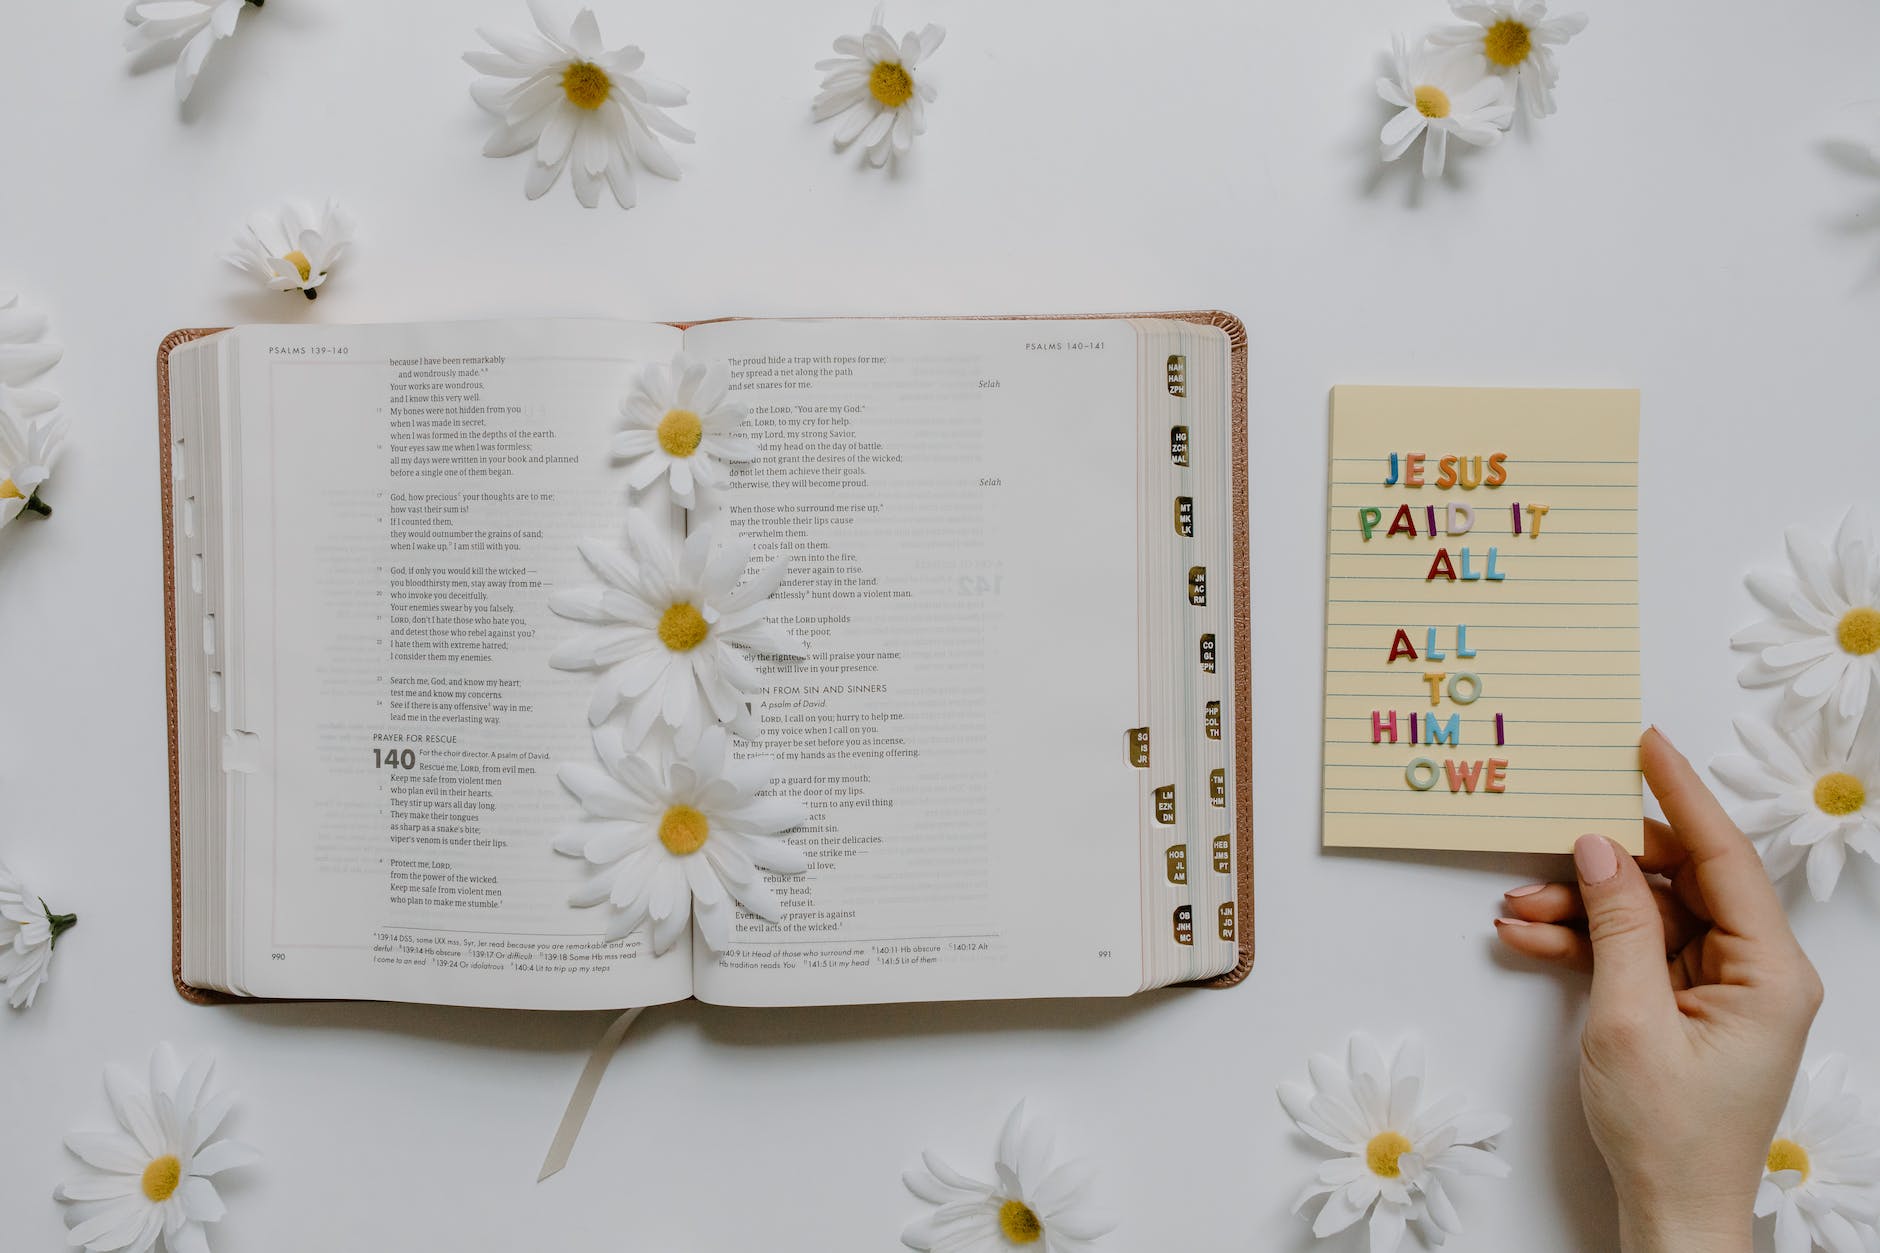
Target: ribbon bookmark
x=583 y=1097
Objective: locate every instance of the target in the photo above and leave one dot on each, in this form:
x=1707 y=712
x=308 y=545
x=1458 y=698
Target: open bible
x=1015 y=560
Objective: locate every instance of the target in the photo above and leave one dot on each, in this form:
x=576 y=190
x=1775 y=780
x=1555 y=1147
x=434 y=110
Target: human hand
x=1701 y=1005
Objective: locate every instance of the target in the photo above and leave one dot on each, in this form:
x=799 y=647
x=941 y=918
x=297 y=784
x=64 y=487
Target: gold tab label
x=1207 y=653
x=1217 y=788
x=1177 y=374
x=1224 y=854
x=1177 y=863
x=1224 y=920
x=1185 y=516
x=1185 y=925
x=1213 y=720
x=1136 y=742
x=1165 y=805
x=1178 y=445
x=1198 y=585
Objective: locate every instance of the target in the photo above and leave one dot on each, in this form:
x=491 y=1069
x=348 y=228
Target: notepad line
x=1510 y=626
x=1533 y=722
x=1526 y=461
x=1506 y=488
x=1595 y=652
x=1523 y=674
x=1625 y=795
x=1461 y=818
x=1550 y=528
x=1531 y=768
x=1508 y=601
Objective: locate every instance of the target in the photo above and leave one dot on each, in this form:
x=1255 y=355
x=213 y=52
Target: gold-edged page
x=1182 y=744
x=412 y=496
x=958 y=503
x=197 y=575
x=1482 y=677
x=223 y=581
x=206 y=596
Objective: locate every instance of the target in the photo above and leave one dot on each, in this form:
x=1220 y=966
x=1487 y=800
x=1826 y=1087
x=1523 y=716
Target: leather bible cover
x=1243 y=644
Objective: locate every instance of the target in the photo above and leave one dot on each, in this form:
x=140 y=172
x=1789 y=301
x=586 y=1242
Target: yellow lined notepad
x=1481 y=672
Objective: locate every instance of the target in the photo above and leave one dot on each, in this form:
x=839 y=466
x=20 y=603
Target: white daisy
x=185 y=29
x=1440 y=96
x=874 y=87
x=565 y=94
x=1517 y=39
x=1395 y=1151
x=1822 y=1176
x=1813 y=795
x=671 y=625
x=31 y=428
x=292 y=249
x=27 y=452
x=679 y=425
x=28 y=932
x=1032 y=1202
x=152 y=1177
x=25 y=354
x=1823 y=643
x=677 y=833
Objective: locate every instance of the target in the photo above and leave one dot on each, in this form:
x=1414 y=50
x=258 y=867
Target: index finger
x=1736 y=890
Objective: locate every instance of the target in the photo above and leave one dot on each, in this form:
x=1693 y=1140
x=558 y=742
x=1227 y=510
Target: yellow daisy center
x=680 y=431
x=890 y=83
x=299 y=261
x=1788 y=1155
x=1019 y=1224
x=1382 y=1152
x=683 y=830
x=161 y=1178
x=1432 y=101
x=683 y=628
x=1860 y=631
x=586 y=85
x=1508 y=43
x=9 y=490
x=1839 y=794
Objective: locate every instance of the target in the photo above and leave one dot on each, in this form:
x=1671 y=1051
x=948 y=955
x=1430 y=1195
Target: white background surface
x=1678 y=228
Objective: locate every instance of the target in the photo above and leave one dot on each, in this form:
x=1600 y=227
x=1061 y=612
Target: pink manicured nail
x=1529 y=890
x=1595 y=858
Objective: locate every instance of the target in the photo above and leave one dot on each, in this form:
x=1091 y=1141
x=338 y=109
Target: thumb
x=1628 y=935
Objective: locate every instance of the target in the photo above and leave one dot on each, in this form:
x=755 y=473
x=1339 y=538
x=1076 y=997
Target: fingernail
x=1512 y=922
x=1529 y=890
x=1595 y=858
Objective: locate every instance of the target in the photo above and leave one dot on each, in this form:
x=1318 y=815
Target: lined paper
x=1551 y=618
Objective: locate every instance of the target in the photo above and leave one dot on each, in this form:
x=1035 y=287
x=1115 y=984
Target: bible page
x=958 y=503
x=412 y=495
